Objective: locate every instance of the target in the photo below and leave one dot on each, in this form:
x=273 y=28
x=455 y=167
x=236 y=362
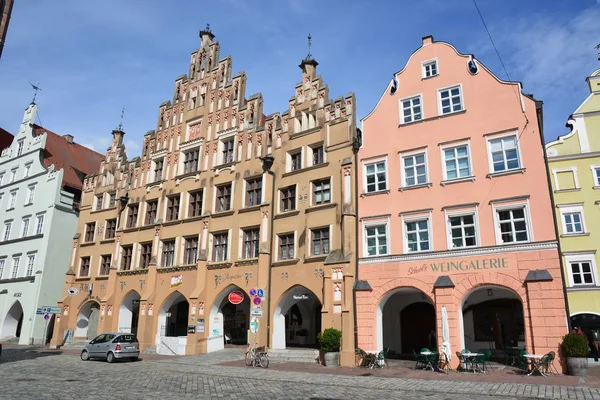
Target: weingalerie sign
x=460 y=265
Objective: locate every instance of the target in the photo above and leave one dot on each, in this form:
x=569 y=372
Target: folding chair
x=420 y=359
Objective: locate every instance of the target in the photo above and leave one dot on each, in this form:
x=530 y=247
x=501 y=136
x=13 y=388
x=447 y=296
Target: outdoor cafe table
x=427 y=355
x=535 y=363
x=468 y=359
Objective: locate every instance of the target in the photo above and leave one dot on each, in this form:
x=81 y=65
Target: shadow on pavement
x=13 y=354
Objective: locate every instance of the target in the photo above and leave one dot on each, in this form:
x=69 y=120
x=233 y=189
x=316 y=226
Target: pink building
x=455 y=214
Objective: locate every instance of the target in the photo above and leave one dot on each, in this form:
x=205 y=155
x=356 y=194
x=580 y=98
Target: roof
x=6 y=139
x=75 y=159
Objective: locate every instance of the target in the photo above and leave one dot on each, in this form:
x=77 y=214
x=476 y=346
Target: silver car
x=112 y=346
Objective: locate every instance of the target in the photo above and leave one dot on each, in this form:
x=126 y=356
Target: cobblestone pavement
x=31 y=374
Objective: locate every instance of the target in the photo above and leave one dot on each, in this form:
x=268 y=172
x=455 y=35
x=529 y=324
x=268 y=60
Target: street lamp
x=124 y=200
x=267 y=162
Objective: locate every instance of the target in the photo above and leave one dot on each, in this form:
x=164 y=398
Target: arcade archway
x=228 y=322
x=172 y=325
x=87 y=321
x=129 y=313
x=11 y=326
x=297 y=319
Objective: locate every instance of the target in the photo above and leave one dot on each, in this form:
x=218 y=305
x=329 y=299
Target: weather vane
x=309 y=56
x=36 y=88
x=120 y=127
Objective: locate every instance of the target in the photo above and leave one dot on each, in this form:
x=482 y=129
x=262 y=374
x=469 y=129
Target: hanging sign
x=176 y=280
x=236 y=297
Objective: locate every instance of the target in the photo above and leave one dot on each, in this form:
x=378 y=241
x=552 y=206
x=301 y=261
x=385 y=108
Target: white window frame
x=277 y=241
x=12 y=200
x=288 y=159
x=25 y=226
x=2 y=177
x=221 y=147
x=511 y=206
x=578 y=258
x=15 y=267
x=462 y=99
x=27 y=170
x=556 y=171
x=310 y=237
x=462 y=213
x=417 y=218
x=6 y=232
x=30 y=194
x=414 y=153
x=374 y=224
x=20 y=147
x=2 y=266
x=30 y=264
x=311 y=152
x=13 y=175
x=387 y=178
x=489 y=152
x=572 y=209
x=425 y=64
x=39 y=224
x=312 y=186
x=296 y=201
x=454 y=146
x=595 y=175
x=411 y=108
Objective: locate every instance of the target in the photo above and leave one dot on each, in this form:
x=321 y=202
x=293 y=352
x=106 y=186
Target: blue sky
x=93 y=58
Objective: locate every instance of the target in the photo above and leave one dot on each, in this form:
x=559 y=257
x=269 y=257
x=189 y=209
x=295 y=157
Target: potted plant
x=330 y=340
x=575 y=350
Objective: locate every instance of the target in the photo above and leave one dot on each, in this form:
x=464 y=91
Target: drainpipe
x=540 y=115
x=356 y=144
x=267 y=164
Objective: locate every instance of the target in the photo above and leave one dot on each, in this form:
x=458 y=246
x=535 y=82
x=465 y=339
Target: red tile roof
x=6 y=139
x=77 y=160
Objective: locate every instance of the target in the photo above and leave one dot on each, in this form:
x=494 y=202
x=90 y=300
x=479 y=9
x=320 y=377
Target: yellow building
x=574 y=163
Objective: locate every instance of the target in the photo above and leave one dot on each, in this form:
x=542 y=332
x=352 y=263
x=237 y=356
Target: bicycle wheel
x=263 y=359
x=249 y=358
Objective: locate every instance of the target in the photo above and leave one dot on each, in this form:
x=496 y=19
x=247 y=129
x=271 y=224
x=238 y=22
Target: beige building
x=223 y=199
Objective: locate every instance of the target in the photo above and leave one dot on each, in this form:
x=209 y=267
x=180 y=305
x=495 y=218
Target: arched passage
x=492 y=318
x=129 y=313
x=406 y=322
x=172 y=325
x=297 y=319
x=87 y=321
x=11 y=326
x=228 y=322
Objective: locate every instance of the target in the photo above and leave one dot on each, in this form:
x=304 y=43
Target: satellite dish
x=472 y=66
x=72 y=291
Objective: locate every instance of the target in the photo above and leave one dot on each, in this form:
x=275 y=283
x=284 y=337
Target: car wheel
x=85 y=356
x=110 y=357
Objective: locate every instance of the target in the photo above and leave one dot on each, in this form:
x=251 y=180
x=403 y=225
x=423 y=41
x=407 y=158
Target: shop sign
x=236 y=297
x=200 y=326
x=176 y=280
x=300 y=297
x=191 y=328
x=460 y=265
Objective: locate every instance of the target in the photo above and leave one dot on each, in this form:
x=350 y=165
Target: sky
x=93 y=58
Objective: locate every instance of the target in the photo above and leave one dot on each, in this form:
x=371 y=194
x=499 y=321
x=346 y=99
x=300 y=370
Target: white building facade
x=38 y=219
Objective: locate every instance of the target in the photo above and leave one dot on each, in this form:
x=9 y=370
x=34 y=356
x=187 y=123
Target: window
x=411 y=110
x=158 y=170
x=190 y=163
x=15 y=269
x=190 y=255
x=195 y=204
x=227 y=153
x=417 y=235
x=30 y=264
x=318 y=155
x=13 y=175
x=12 y=200
x=450 y=100
x=99 y=202
x=513 y=226
x=2 y=265
x=376 y=239
x=111 y=229
x=296 y=160
x=27 y=170
x=25 y=230
x=504 y=153
x=253 y=192
x=151 y=211
x=376 y=177
x=320 y=241
x=456 y=162
x=582 y=273
x=220 y=247
x=223 y=197
x=126 y=255
x=105 y=264
x=20 y=147
x=173 y=208
x=462 y=231
x=286 y=247
x=288 y=198
x=251 y=243
x=84 y=267
x=112 y=199
x=595 y=171
x=1 y=178
x=39 y=225
x=145 y=254
x=168 y=253
x=132 y=215
x=322 y=191
x=429 y=69
x=7 y=228
x=573 y=222
x=415 y=169
x=89 y=231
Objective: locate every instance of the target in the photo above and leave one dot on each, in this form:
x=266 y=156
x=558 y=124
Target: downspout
x=540 y=115
x=356 y=144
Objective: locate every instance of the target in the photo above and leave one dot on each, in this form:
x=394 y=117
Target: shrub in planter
x=330 y=340
x=575 y=349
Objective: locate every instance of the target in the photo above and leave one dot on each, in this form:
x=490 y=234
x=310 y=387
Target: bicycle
x=257 y=356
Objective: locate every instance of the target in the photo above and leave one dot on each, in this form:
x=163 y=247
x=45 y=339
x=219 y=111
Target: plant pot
x=577 y=366
x=332 y=359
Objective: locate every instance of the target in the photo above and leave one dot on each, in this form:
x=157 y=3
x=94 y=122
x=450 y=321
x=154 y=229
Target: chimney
x=206 y=35
x=68 y=138
x=118 y=136
x=427 y=40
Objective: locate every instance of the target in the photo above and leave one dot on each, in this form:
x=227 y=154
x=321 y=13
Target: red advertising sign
x=236 y=297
